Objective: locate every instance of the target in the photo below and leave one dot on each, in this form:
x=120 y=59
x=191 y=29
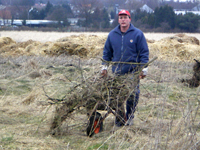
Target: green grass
x=99 y=146
x=23 y=81
x=7 y=139
x=175 y=96
x=59 y=70
x=18 y=89
x=1 y=91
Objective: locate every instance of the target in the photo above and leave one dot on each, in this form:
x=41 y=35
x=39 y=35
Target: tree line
x=163 y=19
x=97 y=17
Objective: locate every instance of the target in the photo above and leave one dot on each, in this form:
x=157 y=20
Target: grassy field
x=167 y=116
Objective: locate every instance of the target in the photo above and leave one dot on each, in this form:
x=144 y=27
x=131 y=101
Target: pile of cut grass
x=177 y=48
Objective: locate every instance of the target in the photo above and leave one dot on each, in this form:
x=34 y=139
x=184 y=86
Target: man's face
x=124 y=20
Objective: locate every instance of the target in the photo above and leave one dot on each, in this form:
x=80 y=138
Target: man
x=126 y=43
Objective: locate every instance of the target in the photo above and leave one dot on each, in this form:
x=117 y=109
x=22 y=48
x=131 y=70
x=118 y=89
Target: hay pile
x=176 y=48
x=82 y=46
x=6 y=41
x=93 y=43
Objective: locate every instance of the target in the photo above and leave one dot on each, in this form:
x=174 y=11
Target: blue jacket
x=128 y=47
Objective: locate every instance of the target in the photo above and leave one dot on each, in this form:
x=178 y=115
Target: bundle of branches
x=110 y=92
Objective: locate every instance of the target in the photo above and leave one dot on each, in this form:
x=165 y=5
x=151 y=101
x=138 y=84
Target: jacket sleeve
x=108 y=51
x=143 y=50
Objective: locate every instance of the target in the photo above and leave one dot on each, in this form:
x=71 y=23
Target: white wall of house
x=184 y=12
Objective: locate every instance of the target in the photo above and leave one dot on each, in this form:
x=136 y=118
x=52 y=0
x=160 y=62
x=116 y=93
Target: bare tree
x=6 y=2
x=153 y=3
x=5 y=15
x=59 y=14
x=23 y=2
x=111 y=3
x=133 y=4
x=86 y=8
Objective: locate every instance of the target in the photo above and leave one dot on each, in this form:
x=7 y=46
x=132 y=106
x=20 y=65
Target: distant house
x=179 y=12
x=74 y=21
x=34 y=23
x=2 y=7
x=183 y=8
x=196 y=8
x=146 y=8
x=39 y=6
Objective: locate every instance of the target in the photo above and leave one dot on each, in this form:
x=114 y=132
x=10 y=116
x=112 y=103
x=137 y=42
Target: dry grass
x=167 y=115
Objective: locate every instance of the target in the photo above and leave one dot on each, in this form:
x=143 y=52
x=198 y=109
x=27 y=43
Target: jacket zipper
x=122 y=46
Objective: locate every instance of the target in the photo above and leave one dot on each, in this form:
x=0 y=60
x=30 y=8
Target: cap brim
x=123 y=14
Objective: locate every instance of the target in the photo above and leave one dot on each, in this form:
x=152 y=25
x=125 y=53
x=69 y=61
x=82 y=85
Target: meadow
x=167 y=116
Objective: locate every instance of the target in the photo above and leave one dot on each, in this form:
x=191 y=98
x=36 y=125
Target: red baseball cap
x=124 y=12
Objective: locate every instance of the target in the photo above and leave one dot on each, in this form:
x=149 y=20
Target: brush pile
x=107 y=93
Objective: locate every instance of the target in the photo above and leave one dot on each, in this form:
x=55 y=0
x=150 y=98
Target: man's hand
x=142 y=76
x=104 y=73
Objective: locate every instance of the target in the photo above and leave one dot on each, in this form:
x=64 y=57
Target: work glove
x=104 y=72
x=143 y=73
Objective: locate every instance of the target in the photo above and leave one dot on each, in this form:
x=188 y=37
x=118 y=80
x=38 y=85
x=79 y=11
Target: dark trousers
x=132 y=82
x=131 y=104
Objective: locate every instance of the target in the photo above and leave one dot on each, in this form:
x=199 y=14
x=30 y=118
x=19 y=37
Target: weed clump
x=195 y=80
